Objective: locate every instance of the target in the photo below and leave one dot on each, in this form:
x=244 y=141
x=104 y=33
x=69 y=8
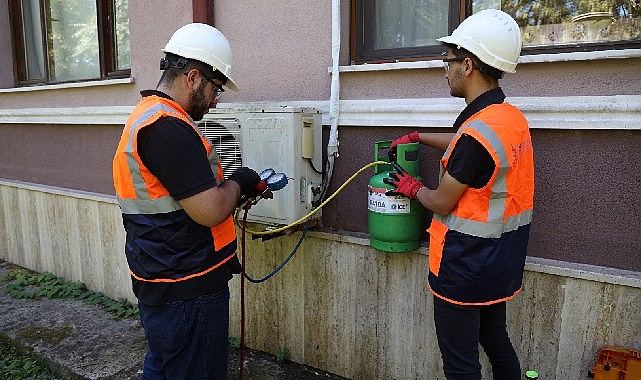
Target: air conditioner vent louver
x=224 y=135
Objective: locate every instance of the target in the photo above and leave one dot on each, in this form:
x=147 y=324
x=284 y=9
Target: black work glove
x=247 y=179
x=234 y=265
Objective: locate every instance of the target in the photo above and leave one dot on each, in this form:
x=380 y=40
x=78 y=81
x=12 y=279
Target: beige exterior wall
x=286 y=58
x=282 y=49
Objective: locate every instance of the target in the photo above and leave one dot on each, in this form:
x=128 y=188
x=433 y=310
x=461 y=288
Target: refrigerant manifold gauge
x=275 y=181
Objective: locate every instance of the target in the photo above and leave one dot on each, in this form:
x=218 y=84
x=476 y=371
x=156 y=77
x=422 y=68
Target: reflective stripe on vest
x=168 y=280
x=495 y=225
x=143 y=202
x=134 y=167
x=140 y=192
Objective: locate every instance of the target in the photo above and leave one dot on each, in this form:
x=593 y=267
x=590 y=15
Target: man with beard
x=177 y=210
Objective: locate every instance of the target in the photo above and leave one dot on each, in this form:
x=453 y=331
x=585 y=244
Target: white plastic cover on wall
x=286 y=139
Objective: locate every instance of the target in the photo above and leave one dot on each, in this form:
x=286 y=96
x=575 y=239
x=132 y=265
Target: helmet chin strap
x=166 y=63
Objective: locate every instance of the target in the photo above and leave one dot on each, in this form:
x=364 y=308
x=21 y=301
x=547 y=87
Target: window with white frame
x=56 y=41
x=396 y=30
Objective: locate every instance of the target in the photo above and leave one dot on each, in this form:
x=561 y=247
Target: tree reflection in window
x=562 y=22
x=70 y=40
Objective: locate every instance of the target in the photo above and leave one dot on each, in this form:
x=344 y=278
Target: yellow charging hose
x=304 y=218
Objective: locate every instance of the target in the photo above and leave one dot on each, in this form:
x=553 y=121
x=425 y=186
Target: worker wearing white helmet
x=177 y=210
x=492 y=36
x=206 y=44
x=482 y=207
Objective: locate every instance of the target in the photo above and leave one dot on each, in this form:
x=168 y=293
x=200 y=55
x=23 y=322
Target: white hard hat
x=491 y=35
x=206 y=44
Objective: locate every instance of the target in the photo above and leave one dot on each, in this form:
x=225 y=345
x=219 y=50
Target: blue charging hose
x=284 y=262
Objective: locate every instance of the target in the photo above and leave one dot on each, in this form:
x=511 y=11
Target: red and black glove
x=407 y=139
x=404 y=183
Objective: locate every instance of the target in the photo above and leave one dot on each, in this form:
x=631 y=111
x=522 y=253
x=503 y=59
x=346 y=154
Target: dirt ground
x=262 y=366
x=259 y=366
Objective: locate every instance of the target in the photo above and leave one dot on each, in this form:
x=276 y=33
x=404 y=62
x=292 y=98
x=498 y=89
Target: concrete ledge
x=588 y=272
x=56 y=190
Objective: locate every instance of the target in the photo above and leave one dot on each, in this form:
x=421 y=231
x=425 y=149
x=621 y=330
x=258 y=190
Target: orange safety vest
x=140 y=192
x=477 y=251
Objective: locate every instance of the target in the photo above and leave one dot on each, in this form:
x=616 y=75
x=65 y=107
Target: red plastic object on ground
x=616 y=363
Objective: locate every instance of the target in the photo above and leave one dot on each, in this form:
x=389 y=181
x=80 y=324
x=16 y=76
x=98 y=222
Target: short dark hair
x=481 y=66
x=174 y=65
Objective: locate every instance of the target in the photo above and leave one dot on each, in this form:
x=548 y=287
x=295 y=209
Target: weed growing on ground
x=233 y=342
x=282 y=354
x=24 y=284
x=17 y=366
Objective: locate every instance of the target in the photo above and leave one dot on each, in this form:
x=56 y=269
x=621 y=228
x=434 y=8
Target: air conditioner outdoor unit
x=285 y=139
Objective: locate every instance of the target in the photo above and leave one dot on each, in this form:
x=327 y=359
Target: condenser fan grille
x=224 y=135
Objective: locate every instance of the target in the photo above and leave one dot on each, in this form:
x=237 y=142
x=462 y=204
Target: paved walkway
x=82 y=341
x=78 y=340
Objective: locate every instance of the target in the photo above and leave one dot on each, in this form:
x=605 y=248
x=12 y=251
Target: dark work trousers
x=188 y=339
x=460 y=330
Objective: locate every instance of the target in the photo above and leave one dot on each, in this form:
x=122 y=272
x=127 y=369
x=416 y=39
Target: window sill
x=613 y=112
x=106 y=82
x=536 y=58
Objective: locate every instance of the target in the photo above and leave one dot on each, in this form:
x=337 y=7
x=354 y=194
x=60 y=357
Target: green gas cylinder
x=395 y=222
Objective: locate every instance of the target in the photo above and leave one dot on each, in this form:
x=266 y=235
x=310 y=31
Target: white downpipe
x=334 y=103
x=332 y=144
